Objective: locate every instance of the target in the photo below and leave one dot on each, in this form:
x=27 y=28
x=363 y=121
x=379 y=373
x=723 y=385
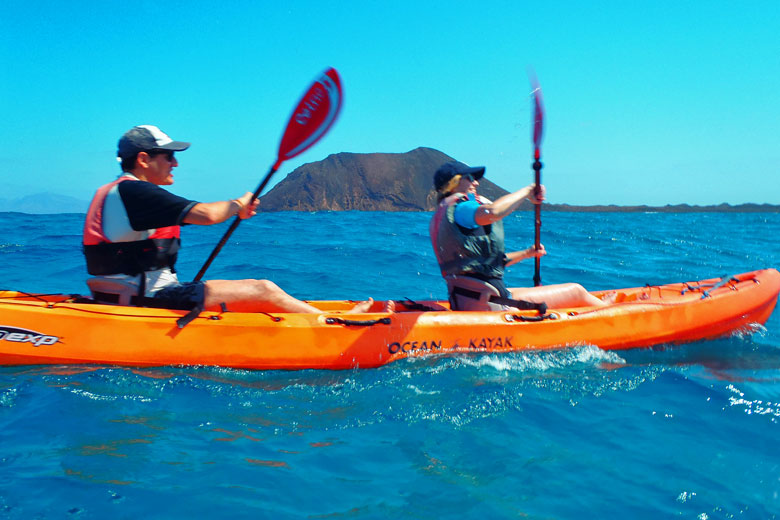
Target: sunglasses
x=469 y=177
x=168 y=154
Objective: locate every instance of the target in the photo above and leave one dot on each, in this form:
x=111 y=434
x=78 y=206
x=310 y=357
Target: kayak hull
x=62 y=329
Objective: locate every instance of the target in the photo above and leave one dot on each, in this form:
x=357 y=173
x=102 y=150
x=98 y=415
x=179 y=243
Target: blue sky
x=647 y=102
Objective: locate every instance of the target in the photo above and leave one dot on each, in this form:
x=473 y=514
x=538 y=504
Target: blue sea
x=689 y=431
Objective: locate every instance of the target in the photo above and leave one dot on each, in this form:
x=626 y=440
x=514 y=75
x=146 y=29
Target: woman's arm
x=503 y=206
x=531 y=252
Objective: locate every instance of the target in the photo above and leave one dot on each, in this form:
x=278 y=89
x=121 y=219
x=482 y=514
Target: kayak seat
x=116 y=292
x=471 y=294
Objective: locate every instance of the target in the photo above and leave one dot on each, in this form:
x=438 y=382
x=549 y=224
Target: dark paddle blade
x=314 y=115
x=538 y=116
x=537 y=166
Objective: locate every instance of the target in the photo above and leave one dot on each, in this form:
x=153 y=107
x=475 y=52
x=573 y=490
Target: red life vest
x=105 y=257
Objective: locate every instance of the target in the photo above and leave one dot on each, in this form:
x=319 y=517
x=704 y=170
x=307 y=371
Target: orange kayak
x=66 y=329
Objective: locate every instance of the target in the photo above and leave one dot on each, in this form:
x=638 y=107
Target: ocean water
x=688 y=431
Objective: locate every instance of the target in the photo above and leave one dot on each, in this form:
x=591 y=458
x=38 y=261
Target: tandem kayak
x=67 y=329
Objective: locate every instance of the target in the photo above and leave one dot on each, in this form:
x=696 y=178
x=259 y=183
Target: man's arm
x=207 y=213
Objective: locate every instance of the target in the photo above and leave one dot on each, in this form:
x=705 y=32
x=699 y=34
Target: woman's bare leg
x=557 y=296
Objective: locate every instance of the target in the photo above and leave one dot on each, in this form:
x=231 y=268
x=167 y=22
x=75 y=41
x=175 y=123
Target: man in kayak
x=467 y=233
x=131 y=237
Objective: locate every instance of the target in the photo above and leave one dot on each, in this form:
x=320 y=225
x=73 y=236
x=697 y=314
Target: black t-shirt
x=149 y=206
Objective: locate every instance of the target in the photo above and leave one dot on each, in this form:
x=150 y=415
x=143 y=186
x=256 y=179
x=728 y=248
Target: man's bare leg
x=260 y=296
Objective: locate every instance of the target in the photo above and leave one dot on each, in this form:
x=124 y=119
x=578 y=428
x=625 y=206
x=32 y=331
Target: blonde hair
x=449 y=187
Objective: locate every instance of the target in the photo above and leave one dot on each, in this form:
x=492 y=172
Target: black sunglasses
x=168 y=154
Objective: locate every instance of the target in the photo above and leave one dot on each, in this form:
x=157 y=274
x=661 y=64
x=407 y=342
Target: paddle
x=315 y=114
x=537 y=166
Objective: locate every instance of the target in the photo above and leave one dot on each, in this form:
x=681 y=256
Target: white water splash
x=110 y=398
x=545 y=361
x=685 y=496
x=750 y=330
x=419 y=391
x=8 y=397
x=752 y=407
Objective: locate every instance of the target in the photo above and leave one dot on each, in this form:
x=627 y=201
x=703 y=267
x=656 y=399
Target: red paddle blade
x=314 y=115
x=538 y=116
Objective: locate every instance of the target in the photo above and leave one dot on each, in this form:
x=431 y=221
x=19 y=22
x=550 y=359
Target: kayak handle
x=359 y=323
x=542 y=317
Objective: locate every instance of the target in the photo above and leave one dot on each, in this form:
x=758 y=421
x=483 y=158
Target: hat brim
x=477 y=172
x=175 y=146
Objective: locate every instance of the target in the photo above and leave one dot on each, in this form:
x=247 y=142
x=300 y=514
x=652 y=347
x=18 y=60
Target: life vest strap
x=131 y=258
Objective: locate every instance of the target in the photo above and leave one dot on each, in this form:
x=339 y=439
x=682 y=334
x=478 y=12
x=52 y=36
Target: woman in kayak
x=467 y=233
x=131 y=237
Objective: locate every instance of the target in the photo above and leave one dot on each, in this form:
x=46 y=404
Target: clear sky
x=654 y=102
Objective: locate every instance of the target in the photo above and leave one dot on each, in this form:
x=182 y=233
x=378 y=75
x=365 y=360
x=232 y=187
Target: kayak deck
x=69 y=329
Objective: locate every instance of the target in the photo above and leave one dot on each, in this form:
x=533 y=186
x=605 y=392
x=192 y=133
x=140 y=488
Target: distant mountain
x=44 y=203
x=374 y=182
x=365 y=182
x=404 y=182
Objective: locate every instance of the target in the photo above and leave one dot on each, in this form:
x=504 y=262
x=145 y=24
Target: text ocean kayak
x=63 y=329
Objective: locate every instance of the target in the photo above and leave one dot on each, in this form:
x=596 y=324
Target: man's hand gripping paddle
x=537 y=166
x=310 y=121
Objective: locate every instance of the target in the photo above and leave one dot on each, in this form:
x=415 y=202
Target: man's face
x=160 y=165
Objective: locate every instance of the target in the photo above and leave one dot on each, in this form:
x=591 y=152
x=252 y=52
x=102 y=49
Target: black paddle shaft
x=234 y=225
x=537 y=166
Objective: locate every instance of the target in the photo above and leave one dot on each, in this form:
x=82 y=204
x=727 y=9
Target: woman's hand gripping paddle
x=537 y=166
x=310 y=121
